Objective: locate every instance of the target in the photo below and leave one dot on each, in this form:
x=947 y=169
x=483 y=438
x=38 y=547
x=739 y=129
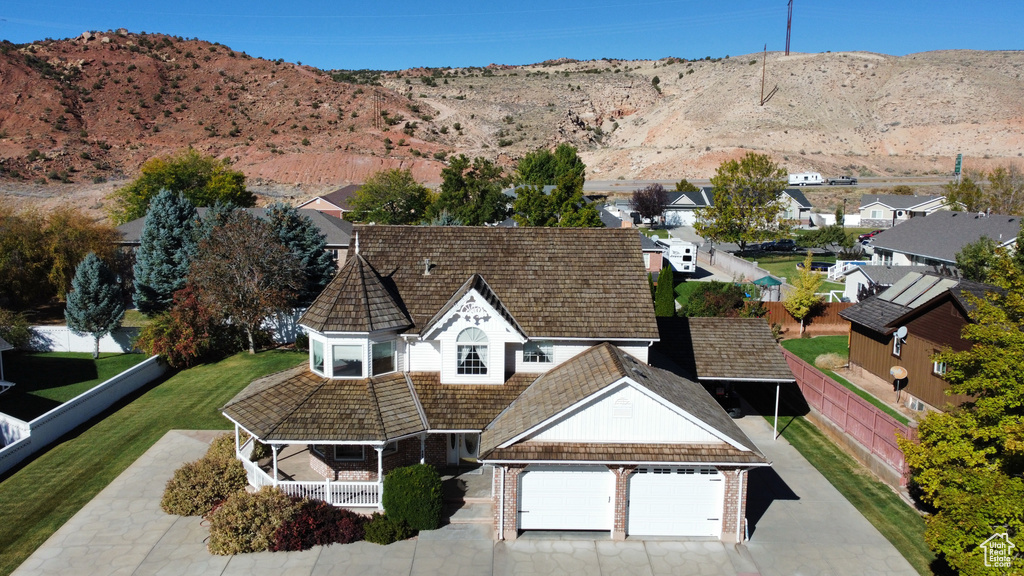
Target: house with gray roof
x=873 y=278
x=335 y=203
x=499 y=348
x=920 y=315
x=682 y=207
x=888 y=210
x=935 y=239
x=337 y=232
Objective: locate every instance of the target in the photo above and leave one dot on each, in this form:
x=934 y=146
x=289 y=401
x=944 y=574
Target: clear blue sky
x=400 y=34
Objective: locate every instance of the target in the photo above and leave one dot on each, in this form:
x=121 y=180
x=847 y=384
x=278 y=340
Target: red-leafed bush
x=318 y=523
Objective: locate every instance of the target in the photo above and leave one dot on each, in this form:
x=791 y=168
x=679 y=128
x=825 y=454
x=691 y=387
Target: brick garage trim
x=734 y=505
x=622 y=474
x=507 y=501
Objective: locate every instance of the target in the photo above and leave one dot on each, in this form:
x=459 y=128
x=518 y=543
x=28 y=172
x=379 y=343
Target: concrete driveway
x=801 y=525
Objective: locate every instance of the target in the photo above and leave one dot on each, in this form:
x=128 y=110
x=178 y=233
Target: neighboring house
x=654 y=254
x=336 y=231
x=455 y=346
x=335 y=204
x=4 y=384
x=934 y=240
x=887 y=210
x=682 y=207
x=796 y=206
x=933 y=309
x=872 y=278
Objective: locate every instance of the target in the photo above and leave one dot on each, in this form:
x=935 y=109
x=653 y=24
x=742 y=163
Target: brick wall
x=365 y=470
x=622 y=475
x=735 y=502
x=511 y=499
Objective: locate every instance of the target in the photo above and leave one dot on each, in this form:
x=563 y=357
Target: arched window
x=472 y=350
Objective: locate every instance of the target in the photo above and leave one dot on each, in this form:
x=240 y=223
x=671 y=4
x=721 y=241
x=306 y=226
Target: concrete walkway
x=801 y=525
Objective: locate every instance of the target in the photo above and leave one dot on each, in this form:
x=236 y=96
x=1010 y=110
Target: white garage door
x=559 y=498
x=676 y=502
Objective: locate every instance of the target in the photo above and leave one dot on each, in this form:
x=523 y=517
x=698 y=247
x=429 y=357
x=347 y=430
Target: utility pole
x=789 y=25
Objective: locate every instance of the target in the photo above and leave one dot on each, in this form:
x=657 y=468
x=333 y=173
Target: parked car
x=817 y=266
x=867 y=235
x=849 y=180
x=783 y=245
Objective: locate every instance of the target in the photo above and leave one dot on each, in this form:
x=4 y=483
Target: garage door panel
x=579 y=499
x=676 y=502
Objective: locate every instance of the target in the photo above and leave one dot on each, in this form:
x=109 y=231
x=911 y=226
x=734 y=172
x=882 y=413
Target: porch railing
x=349 y=494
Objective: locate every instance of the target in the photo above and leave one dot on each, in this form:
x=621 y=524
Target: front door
x=463 y=448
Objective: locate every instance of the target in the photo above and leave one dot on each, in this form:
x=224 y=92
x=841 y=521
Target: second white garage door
x=674 y=501
x=559 y=498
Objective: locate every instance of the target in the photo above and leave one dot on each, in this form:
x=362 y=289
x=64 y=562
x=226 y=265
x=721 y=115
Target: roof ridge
x=416 y=401
x=372 y=392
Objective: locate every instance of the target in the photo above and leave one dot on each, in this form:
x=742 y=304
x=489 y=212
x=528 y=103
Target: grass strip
x=887 y=512
x=41 y=496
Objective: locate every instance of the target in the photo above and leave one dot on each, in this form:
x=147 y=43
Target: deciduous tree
x=649 y=201
x=391 y=197
x=747 y=202
x=969 y=463
x=95 y=303
x=965 y=194
x=803 y=301
x=684 y=185
x=166 y=250
x=833 y=237
x=204 y=180
x=471 y=192
x=1005 y=193
x=975 y=260
x=244 y=273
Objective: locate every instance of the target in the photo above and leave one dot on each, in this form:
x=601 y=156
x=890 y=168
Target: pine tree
x=307 y=244
x=664 y=297
x=95 y=303
x=166 y=250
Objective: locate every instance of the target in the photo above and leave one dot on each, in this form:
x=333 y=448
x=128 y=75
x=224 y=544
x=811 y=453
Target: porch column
x=238 y=449
x=380 y=477
x=273 y=448
x=423 y=448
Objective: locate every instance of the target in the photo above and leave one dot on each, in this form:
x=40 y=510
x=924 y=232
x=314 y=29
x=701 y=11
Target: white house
x=934 y=240
x=522 y=349
x=888 y=210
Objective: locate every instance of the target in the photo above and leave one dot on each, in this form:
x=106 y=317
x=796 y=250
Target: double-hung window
x=472 y=352
x=537 y=352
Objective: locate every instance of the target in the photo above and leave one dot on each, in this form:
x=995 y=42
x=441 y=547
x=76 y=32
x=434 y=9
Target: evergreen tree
x=166 y=250
x=95 y=303
x=307 y=244
x=664 y=297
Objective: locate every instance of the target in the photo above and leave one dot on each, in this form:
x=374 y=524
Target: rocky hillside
x=79 y=116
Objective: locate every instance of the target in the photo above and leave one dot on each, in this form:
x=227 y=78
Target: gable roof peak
x=356 y=300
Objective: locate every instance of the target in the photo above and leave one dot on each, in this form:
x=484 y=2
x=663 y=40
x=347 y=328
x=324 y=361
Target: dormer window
x=317 y=348
x=538 y=352
x=472 y=351
x=348 y=360
x=383 y=354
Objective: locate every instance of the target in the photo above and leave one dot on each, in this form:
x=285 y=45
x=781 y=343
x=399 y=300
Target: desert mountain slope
x=94 y=108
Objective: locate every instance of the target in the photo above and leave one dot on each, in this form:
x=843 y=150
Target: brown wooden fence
x=873 y=429
x=826 y=322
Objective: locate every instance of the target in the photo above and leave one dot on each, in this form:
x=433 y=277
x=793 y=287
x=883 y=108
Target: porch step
x=472 y=513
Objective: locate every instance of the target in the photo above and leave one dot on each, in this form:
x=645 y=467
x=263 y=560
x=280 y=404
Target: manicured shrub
x=222 y=448
x=413 y=494
x=318 y=523
x=383 y=529
x=247 y=522
x=259 y=451
x=198 y=486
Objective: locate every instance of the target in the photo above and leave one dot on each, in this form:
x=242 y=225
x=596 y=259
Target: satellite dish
x=901 y=333
x=898 y=372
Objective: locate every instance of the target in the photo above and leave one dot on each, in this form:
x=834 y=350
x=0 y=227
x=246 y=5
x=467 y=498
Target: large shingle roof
x=942 y=234
x=555 y=282
x=297 y=405
x=337 y=232
x=356 y=300
x=588 y=373
x=896 y=201
x=465 y=406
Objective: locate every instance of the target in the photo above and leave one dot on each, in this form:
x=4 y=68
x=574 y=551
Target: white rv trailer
x=682 y=255
x=806 y=179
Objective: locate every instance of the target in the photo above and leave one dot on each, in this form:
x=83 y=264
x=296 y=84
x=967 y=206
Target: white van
x=806 y=179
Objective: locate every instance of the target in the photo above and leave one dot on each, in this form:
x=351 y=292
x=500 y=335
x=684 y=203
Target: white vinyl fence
x=21 y=439
x=64 y=339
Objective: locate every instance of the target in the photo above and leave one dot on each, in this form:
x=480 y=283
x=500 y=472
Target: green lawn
x=886 y=511
x=46 y=380
x=807 y=349
x=655 y=233
x=135 y=319
x=784 y=265
x=41 y=496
